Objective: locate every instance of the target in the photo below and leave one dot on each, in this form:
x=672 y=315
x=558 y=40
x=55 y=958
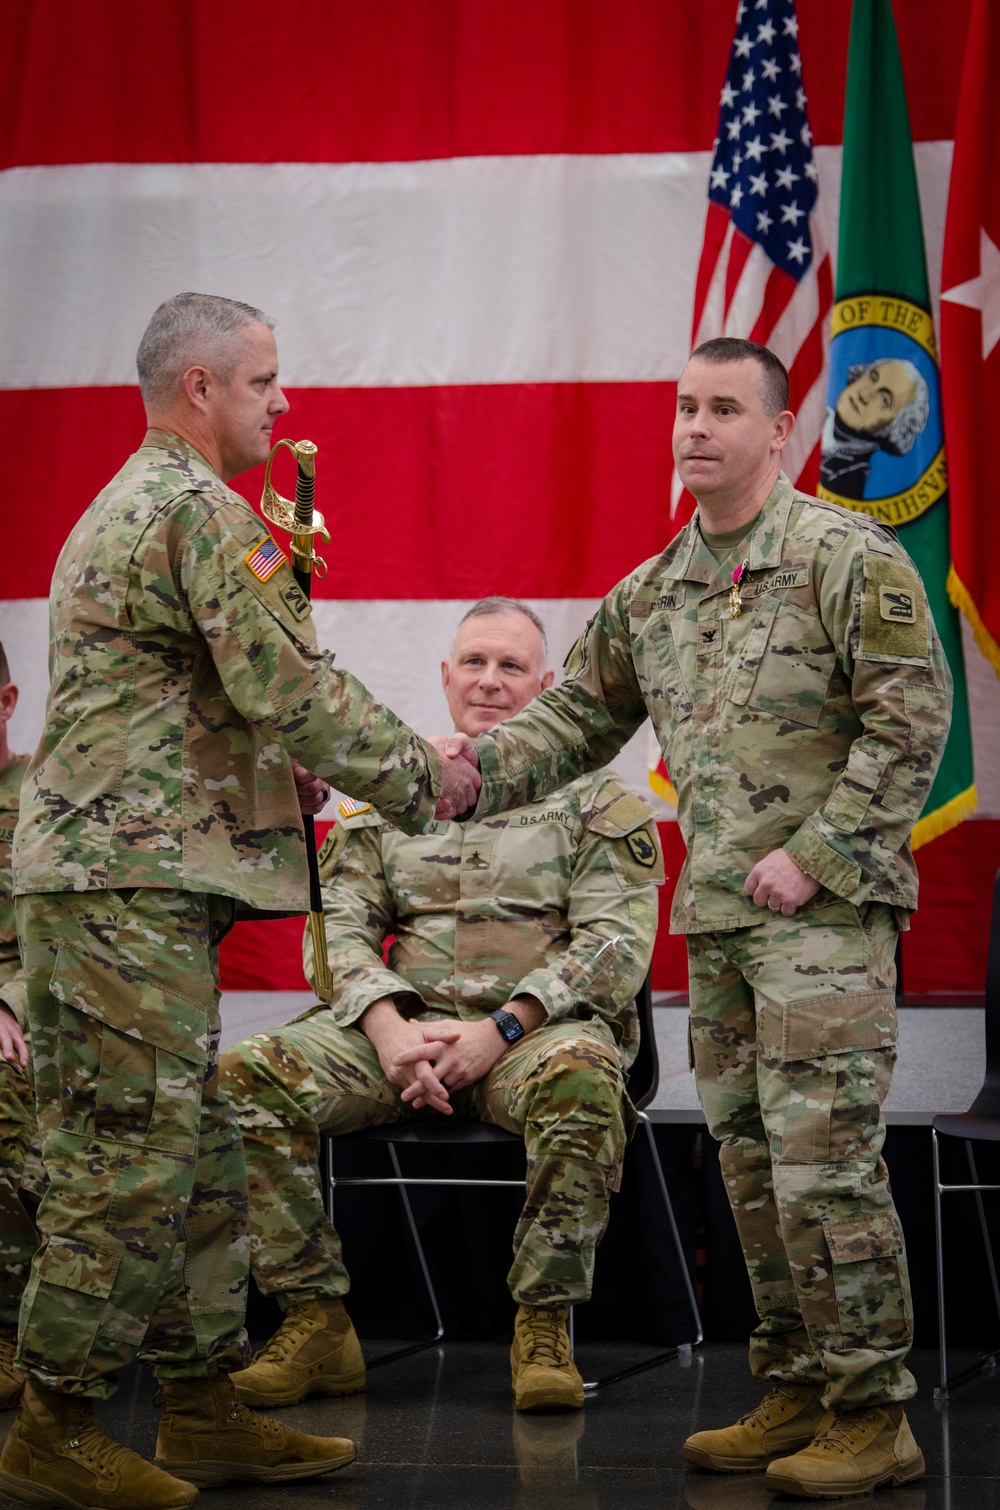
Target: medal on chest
x=735 y=601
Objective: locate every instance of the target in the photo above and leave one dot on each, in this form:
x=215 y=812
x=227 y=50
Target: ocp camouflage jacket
x=184 y=674
x=12 y=979
x=815 y=720
x=556 y=901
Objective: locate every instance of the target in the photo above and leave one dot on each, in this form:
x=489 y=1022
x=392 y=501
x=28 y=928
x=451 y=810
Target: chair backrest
x=644 y=1076
x=987 y=1103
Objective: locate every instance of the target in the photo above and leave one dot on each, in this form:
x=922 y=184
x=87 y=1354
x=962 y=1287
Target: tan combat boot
x=315 y=1351
x=542 y=1372
x=11 y=1377
x=853 y=1453
x=56 y=1454
x=786 y=1419
x=209 y=1437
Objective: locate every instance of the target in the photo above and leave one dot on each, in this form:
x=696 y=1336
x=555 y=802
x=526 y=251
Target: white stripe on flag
x=463 y=270
x=466 y=270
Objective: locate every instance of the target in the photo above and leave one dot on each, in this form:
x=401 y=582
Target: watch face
x=508 y=1025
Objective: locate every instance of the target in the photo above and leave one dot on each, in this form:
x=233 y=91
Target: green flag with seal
x=882 y=449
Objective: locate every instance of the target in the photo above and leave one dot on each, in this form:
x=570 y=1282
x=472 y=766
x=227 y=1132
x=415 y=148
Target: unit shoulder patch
x=295 y=599
x=640 y=857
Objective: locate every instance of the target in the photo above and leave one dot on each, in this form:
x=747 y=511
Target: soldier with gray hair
x=191 y=719
x=518 y=947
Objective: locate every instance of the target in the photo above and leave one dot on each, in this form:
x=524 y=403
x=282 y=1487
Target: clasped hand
x=428 y=1060
x=462 y=782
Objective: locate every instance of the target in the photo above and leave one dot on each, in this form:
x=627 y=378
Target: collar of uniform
x=766 y=543
x=685 y=568
x=166 y=440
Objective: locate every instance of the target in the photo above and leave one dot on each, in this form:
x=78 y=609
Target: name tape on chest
x=265 y=559
x=528 y=820
x=667 y=602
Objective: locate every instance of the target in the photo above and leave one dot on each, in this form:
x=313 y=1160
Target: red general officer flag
x=970 y=333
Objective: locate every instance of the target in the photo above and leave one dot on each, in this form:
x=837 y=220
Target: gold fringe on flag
x=963 y=601
x=949 y=816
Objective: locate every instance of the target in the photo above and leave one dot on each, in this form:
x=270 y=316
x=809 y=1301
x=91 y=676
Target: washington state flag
x=882 y=449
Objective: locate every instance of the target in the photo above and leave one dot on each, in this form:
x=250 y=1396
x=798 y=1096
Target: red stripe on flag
x=807 y=366
x=717 y=224
x=778 y=293
x=391 y=80
x=739 y=250
x=537 y=490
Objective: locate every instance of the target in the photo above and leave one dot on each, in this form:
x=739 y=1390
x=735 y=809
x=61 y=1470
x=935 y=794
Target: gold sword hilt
x=299 y=516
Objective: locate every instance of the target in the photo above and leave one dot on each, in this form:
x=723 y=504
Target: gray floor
x=437 y=1431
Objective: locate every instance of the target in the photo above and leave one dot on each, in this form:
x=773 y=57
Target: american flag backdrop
x=765 y=271
x=480 y=227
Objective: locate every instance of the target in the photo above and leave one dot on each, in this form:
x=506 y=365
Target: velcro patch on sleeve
x=893 y=612
x=265 y=559
x=623 y=812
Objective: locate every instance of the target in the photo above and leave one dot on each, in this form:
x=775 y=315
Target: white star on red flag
x=983 y=292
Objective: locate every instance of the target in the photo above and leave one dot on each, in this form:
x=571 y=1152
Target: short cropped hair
x=190 y=329
x=774 y=375
x=4 y=668
x=499 y=604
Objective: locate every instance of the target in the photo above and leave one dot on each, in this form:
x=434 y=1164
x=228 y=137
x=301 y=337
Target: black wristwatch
x=508 y=1027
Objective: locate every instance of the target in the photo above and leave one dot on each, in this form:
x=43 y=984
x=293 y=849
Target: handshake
x=460 y=790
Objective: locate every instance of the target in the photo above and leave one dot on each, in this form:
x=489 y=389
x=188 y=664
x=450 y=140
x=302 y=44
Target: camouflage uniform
x=18 y=1237
x=184 y=674
x=815 y=721
x=555 y=902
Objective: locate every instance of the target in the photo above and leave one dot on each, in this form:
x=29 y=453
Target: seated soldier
x=507 y=995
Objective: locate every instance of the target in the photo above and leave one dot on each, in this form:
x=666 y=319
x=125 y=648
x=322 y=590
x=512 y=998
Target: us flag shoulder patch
x=351 y=809
x=265 y=559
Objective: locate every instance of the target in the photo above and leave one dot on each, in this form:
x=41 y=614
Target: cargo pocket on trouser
x=824 y=1070
x=870 y=1280
x=63 y=1310
x=125 y=1085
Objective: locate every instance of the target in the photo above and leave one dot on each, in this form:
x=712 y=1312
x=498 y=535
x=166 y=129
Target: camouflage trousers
x=793 y=1037
x=18 y=1233
x=562 y=1087
x=143 y=1220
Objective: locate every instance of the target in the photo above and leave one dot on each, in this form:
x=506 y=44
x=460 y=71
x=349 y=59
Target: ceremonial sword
x=304 y=523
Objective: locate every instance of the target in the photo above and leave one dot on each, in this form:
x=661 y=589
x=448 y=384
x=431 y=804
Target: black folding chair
x=980 y=1124
x=643 y=1081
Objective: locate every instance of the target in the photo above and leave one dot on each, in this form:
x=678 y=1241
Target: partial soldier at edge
x=18 y=1234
